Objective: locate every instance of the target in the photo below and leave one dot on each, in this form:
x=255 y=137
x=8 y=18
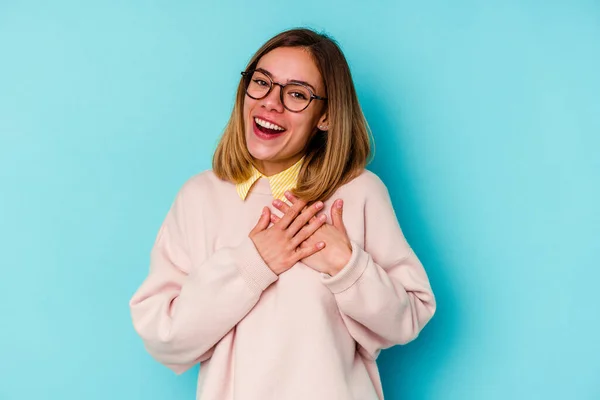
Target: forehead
x=291 y=63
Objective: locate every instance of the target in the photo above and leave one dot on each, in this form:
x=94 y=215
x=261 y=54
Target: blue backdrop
x=486 y=116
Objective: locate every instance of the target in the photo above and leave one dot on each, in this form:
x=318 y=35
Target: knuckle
x=302 y=221
x=300 y=238
x=288 y=235
x=308 y=230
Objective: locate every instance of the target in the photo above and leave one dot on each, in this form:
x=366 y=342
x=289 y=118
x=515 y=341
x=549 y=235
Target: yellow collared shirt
x=285 y=180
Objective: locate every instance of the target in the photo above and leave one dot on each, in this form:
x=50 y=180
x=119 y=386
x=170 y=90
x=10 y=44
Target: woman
x=299 y=304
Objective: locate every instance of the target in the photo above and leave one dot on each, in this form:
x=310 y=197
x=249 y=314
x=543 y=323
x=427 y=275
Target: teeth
x=268 y=125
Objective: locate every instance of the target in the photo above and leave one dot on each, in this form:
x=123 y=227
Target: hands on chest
x=302 y=235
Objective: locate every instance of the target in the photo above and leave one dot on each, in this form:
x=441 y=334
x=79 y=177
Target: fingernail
x=323 y=217
x=277 y=202
x=319 y=205
x=320 y=245
x=340 y=203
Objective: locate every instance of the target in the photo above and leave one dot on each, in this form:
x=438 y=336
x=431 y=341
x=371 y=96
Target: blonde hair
x=332 y=158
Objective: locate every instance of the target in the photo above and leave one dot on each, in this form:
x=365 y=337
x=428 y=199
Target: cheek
x=303 y=127
x=301 y=136
x=303 y=124
x=246 y=110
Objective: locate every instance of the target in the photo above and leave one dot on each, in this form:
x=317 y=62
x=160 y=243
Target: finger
x=305 y=244
x=304 y=217
x=281 y=205
x=309 y=251
x=263 y=221
x=291 y=214
x=336 y=215
x=308 y=230
x=284 y=207
x=290 y=196
x=275 y=218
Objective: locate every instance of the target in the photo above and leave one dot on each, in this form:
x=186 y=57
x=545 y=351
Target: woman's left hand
x=337 y=251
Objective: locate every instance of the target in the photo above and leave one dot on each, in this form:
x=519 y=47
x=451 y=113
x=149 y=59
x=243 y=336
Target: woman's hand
x=279 y=245
x=338 y=249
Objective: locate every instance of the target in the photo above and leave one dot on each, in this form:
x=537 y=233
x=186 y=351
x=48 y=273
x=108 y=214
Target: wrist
x=342 y=260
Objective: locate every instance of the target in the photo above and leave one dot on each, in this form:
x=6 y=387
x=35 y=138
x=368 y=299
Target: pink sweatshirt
x=210 y=298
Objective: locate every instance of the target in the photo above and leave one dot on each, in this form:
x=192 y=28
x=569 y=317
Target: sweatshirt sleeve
x=383 y=292
x=185 y=306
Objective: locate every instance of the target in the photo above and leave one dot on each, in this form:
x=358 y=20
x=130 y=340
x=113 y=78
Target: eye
x=298 y=95
x=260 y=82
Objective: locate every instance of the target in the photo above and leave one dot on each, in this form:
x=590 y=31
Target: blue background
x=486 y=116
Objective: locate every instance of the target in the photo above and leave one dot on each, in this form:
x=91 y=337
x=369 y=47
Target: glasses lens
x=258 y=86
x=296 y=97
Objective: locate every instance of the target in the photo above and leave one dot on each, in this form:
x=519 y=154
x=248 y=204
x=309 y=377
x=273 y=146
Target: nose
x=273 y=100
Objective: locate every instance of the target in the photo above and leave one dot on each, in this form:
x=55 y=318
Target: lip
x=268 y=120
x=264 y=136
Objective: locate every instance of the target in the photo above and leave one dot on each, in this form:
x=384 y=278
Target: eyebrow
x=289 y=80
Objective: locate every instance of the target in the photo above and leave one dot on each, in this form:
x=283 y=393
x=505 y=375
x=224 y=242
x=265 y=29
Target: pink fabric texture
x=209 y=298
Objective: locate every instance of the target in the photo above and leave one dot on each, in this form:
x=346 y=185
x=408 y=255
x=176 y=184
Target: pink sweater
x=210 y=298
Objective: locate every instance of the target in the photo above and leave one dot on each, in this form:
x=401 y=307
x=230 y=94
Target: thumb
x=336 y=215
x=263 y=221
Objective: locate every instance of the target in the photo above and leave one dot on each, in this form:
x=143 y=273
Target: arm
x=383 y=291
x=184 y=307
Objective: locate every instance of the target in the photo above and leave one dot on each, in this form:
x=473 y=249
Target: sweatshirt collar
x=284 y=180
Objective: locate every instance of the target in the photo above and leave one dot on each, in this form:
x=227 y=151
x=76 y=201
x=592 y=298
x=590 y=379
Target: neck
x=270 y=168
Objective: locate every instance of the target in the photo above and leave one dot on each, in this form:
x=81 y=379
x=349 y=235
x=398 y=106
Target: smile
x=268 y=132
x=268 y=125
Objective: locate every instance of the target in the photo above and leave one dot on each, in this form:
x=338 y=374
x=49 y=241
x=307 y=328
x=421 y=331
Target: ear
x=323 y=124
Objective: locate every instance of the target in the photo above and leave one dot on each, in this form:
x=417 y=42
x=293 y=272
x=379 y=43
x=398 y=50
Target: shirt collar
x=284 y=180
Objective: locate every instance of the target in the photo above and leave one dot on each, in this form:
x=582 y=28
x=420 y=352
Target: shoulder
x=203 y=186
x=366 y=185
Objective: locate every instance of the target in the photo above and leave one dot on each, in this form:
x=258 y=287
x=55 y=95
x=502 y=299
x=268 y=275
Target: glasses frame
x=248 y=74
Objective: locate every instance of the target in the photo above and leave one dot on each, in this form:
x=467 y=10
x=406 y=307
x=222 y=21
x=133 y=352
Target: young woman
x=299 y=304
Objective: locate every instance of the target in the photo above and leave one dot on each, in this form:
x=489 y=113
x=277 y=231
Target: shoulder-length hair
x=333 y=157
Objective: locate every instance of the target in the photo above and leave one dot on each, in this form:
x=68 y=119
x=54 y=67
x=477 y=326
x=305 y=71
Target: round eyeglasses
x=295 y=97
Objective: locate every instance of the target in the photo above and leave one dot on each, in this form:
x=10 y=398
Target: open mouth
x=267 y=128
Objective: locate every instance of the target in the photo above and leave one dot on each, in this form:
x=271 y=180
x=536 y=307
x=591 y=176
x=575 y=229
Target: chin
x=261 y=154
x=261 y=151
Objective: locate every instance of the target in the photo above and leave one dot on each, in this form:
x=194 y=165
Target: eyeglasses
x=295 y=97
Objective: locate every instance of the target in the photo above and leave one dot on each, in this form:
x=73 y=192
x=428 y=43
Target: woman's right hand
x=279 y=245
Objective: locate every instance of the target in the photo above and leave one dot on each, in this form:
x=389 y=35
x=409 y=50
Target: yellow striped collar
x=285 y=180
